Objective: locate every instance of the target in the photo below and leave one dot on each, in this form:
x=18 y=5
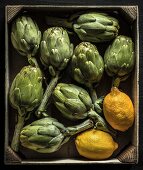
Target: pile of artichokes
x=59 y=56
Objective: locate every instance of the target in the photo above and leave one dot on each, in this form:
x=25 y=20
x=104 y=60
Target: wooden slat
x=12 y=11
x=129 y=155
x=11 y=157
x=130 y=12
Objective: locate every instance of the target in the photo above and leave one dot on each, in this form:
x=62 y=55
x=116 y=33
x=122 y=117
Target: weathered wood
x=12 y=11
x=135 y=84
x=129 y=155
x=11 y=157
x=130 y=12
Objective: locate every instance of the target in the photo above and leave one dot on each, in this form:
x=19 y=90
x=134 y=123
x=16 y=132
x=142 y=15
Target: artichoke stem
x=15 y=140
x=32 y=61
x=116 y=82
x=55 y=21
x=98 y=105
x=42 y=108
x=100 y=123
x=79 y=128
x=93 y=94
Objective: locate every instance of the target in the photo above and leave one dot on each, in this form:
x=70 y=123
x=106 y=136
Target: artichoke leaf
x=75 y=105
x=49 y=130
x=64 y=110
x=58 y=95
x=68 y=92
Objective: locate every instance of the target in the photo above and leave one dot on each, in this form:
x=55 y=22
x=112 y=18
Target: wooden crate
x=128 y=141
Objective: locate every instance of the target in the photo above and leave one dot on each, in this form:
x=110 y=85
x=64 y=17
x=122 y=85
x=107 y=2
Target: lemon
x=95 y=144
x=118 y=110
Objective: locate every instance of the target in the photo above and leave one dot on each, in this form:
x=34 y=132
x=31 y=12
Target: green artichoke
x=87 y=66
x=47 y=135
x=119 y=58
x=25 y=95
x=91 y=26
x=26 y=37
x=75 y=103
x=96 y=27
x=56 y=51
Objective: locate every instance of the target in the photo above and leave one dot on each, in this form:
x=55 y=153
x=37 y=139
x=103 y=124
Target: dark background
x=2 y=84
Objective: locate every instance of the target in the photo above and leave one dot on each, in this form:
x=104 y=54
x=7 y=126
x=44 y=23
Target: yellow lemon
x=118 y=110
x=95 y=144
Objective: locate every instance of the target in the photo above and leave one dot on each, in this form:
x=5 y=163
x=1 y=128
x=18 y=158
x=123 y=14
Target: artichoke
x=91 y=26
x=56 y=51
x=25 y=95
x=119 y=59
x=87 y=66
x=26 y=37
x=47 y=135
x=75 y=103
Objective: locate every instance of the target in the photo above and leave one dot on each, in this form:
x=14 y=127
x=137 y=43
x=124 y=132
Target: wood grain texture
x=11 y=157
x=12 y=11
x=129 y=155
x=130 y=12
